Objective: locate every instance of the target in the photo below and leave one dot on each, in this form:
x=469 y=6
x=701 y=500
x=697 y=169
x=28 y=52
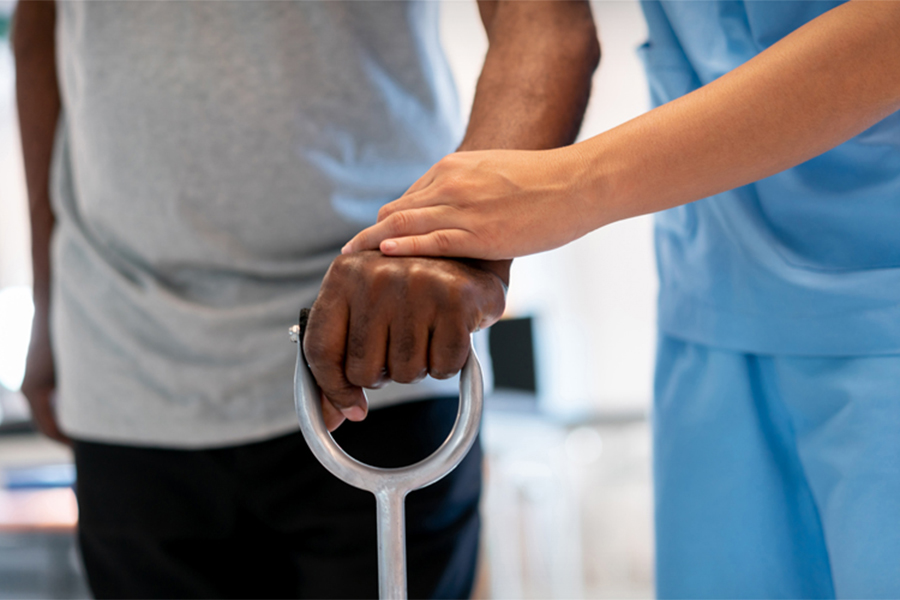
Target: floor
x=34 y=566
x=42 y=563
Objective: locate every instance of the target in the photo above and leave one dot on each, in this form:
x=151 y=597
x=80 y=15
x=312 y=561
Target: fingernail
x=354 y=413
x=388 y=246
x=346 y=248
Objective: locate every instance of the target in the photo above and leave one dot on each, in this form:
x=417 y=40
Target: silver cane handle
x=390 y=486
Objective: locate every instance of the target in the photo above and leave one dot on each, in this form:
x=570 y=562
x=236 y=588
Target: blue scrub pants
x=776 y=476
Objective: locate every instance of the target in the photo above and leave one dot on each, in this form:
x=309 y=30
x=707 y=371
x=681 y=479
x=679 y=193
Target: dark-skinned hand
x=39 y=384
x=380 y=318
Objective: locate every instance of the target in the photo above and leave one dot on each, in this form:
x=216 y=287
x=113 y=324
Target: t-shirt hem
x=175 y=438
x=205 y=438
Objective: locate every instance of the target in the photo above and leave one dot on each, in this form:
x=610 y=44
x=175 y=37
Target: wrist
x=597 y=190
x=574 y=178
x=498 y=268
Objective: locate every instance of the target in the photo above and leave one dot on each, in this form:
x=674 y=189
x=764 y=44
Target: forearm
x=38 y=104
x=536 y=79
x=813 y=90
x=535 y=83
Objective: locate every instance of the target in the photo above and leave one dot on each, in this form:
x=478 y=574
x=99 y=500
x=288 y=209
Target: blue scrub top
x=805 y=262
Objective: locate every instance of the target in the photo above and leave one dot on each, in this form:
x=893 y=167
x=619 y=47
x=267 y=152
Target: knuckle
x=442 y=241
x=359 y=369
x=451 y=358
x=451 y=186
x=415 y=245
x=403 y=350
x=408 y=374
x=384 y=212
x=445 y=163
x=405 y=364
x=457 y=295
x=341 y=264
x=458 y=347
x=315 y=350
x=333 y=418
x=442 y=369
x=383 y=277
x=326 y=369
x=450 y=161
x=385 y=270
x=356 y=344
x=418 y=272
x=343 y=268
x=339 y=396
x=401 y=222
x=361 y=374
x=361 y=240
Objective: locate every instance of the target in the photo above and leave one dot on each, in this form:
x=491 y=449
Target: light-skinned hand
x=492 y=204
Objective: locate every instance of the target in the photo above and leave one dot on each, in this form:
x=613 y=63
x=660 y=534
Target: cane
x=390 y=486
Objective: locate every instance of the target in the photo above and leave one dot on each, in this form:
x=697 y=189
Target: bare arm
x=37 y=96
x=532 y=93
x=818 y=87
x=534 y=86
x=814 y=89
x=536 y=78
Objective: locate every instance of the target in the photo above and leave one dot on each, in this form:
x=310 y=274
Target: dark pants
x=266 y=520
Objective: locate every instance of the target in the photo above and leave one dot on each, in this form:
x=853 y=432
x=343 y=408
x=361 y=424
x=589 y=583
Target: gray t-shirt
x=212 y=159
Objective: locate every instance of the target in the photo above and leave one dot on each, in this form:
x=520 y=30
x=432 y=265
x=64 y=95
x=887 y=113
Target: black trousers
x=266 y=520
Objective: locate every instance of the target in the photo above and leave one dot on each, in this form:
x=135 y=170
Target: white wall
x=595 y=298
x=15 y=268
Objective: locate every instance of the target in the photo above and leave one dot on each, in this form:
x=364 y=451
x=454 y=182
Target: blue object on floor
x=42 y=477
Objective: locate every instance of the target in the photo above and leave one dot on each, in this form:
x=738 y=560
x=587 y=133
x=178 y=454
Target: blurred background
x=568 y=508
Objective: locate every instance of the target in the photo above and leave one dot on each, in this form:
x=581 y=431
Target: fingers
x=431 y=203
x=367 y=348
x=324 y=344
x=380 y=317
x=410 y=197
x=331 y=415
x=449 y=349
x=368 y=239
x=431 y=231
x=39 y=383
x=408 y=352
x=422 y=182
x=409 y=201
x=444 y=242
x=406 y=222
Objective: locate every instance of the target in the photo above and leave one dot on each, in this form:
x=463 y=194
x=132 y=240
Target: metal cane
x=390 y=486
